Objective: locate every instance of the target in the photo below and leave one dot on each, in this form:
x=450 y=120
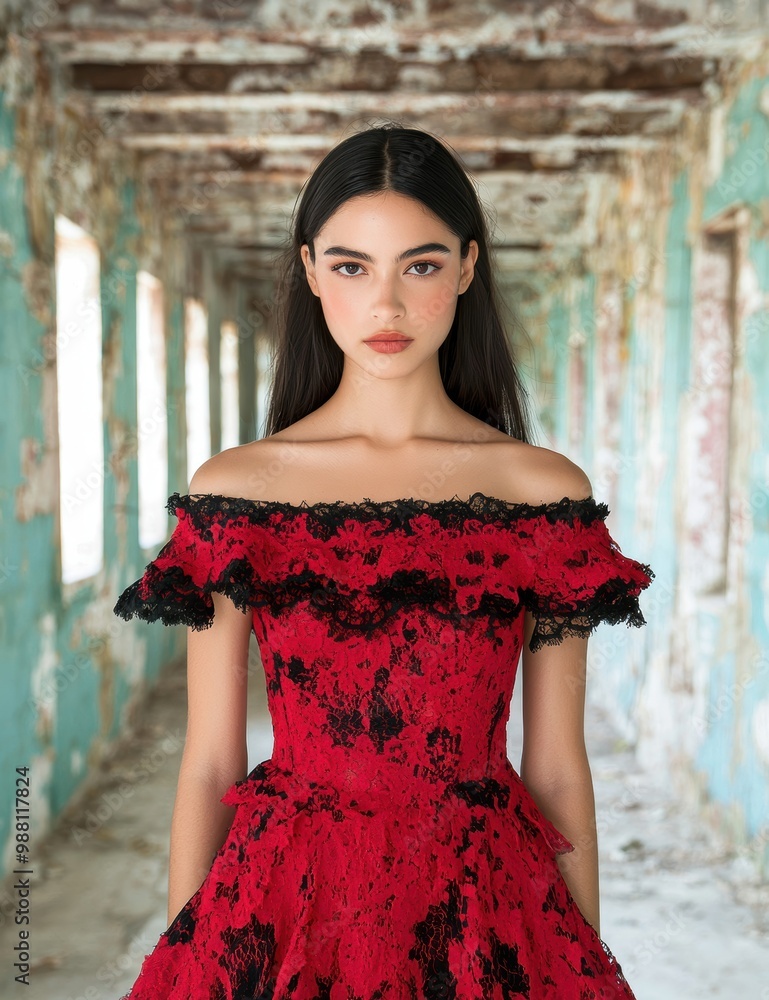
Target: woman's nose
x=388 y=302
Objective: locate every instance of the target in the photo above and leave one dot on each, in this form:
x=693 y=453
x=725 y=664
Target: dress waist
x=383 y=790
x=415 y=803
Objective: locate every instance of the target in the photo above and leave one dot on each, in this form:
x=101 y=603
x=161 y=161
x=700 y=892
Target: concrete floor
x=684 y=917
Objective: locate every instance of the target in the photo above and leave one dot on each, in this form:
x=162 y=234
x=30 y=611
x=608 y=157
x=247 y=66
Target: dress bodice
x=390 y=632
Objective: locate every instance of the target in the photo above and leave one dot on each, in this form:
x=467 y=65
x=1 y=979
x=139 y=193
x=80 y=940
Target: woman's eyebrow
x=413 y=252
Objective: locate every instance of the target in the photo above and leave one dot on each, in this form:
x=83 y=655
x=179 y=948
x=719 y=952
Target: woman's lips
x=389 y=346
x=388 y=342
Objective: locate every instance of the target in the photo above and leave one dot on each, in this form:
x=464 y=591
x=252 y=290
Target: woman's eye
x=338 y=267
x=425 y=263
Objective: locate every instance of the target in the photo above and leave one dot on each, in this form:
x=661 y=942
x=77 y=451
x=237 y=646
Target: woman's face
x=384 y=262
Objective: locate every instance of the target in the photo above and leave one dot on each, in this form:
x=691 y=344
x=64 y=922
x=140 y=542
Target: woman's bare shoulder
x=540 y=475
x=235 y=471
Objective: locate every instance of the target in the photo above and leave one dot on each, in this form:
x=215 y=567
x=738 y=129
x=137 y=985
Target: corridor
x=151 y=158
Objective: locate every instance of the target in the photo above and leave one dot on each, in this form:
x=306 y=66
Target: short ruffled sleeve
x=576 y=575
x=176 y=586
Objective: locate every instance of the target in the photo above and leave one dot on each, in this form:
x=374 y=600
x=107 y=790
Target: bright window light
x=228 y=362
x=80 y=407
x=196 y=379
x=152 y=410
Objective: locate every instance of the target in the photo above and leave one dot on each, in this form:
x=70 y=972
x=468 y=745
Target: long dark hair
x=476 y=359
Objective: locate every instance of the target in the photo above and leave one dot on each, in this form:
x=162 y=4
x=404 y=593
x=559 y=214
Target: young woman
x=398 y=545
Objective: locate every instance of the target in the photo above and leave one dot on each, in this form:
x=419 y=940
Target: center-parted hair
x=476 y=359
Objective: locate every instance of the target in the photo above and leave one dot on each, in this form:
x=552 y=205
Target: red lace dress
x=387 y=850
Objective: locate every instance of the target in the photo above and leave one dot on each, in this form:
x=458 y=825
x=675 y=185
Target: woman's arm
x=554 y=761
x=215 y=751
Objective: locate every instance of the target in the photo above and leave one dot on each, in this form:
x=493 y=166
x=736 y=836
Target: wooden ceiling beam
x=568 y=100
x=533 y=35
x=496 y=116
x=204 y=142
x=585 y=67
x=219 y=169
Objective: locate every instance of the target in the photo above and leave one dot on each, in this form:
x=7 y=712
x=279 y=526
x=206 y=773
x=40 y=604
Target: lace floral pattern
x=481 y=556
x=387 y=848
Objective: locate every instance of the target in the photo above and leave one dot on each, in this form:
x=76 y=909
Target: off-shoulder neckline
x=478 y=505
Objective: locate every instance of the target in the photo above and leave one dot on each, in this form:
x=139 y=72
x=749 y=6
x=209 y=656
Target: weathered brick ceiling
x=230 y=104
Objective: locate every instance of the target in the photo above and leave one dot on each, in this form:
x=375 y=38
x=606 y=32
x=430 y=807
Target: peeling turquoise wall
x=731 y=762
x=550 y=327
x=554 y=412
x=585 y=323
x=676 y=374
x=737 y=774
x=121 y=499
x=28 y=591
x=717 y=656
x=70 y=673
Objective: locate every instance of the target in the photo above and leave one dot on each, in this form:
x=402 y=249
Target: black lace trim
x=175 y=600
x=203 y=507
x=611 y=602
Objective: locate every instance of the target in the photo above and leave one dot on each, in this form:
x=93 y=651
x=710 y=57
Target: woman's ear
x=467 y=269
x=309 y=268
